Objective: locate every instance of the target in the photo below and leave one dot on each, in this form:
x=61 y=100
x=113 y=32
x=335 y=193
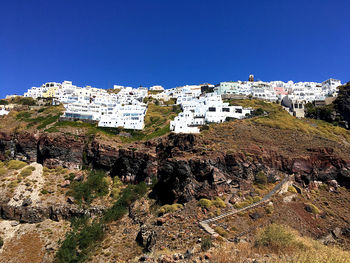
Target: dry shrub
x=221 y=231
x=284 y=245
x=277 y=238
x=229 y=252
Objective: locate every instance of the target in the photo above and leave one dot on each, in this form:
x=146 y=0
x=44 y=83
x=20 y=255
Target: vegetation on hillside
x=157 y=122
x=283 y=245
x=279 y=118
x=86 y=191
x=85 y=235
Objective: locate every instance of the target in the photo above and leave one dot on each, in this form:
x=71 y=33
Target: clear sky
x=171 y=43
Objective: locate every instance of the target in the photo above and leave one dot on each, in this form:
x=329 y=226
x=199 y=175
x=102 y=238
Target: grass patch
x=23 y=115
x=280 y=119
x=276 y=237
x=27 y=171
x=3 y=171
x=169 y=208
x=15 y=165
x=157 y=122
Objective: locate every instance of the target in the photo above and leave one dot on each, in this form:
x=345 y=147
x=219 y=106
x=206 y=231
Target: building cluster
x=276 y=90
x=124 y=108
x=201 y=104
x=293 y=96
x=205 y=109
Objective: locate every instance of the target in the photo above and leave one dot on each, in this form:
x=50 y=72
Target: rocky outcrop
x=183 y=169
x=30 y=214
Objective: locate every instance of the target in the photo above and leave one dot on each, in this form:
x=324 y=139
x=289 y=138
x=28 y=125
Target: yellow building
x=50 y=92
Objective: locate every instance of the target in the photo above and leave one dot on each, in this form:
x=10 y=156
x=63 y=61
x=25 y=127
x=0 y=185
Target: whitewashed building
x=3 y=111
x=204 y=110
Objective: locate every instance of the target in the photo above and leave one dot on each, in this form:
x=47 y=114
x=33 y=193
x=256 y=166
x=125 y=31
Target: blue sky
x=171 y=43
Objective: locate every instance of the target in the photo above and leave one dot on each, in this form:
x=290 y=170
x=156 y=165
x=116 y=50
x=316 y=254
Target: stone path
x=205 y=223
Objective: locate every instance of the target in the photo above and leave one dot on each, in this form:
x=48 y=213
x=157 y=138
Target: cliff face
x=183 y=169
x=342 y=103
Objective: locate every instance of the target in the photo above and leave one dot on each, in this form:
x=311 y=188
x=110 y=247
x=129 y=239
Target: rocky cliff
x=183 y=167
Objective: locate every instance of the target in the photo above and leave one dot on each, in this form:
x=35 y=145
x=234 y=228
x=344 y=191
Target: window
x=226 y=109
x=238 y=110
x=212 y=109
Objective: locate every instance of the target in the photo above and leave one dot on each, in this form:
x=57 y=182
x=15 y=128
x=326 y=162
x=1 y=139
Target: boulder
x=146 y=237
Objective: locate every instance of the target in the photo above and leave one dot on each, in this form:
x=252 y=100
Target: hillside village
x=126 y=107
x=157 y=196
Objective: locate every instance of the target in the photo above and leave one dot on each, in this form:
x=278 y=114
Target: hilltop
x=190 y=178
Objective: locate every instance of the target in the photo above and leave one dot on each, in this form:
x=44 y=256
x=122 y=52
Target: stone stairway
x=205 y=223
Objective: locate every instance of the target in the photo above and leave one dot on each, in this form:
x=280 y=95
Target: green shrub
x=275 y=236
x=44 y=191
x=16 y=165
x=23 y=115
x=94 y=186
x=269 y=209
x=4 y=102
x=256 y=199
x=129 y=195
x=27 y=171
x=169 y=208
x=24 y=101
x=261 y=178
x=206 y=243
x=205 y=203
x=1 y=242
x=221 y=231
x=85 y=236
x=248 y=201
x=219 y=203
x=1 y=164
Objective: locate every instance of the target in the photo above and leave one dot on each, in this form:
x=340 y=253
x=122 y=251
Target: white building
x=126 y=116
x=124 y=109
x=156 y=88
x=3 y=111
x=203 y=110
x=160 y=96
